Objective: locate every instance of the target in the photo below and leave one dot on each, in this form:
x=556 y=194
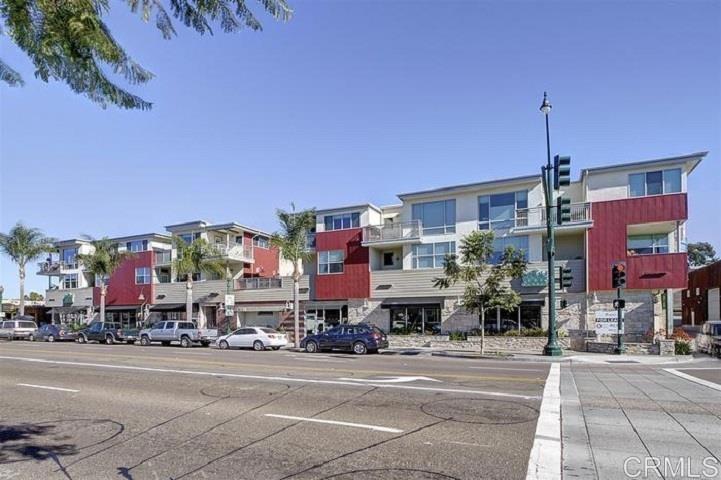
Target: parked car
x=20 y=327
x=360 y=338
x=253 y=337
x=51 y=333
x=108 y=332
x=185 y=333
x=709 y=336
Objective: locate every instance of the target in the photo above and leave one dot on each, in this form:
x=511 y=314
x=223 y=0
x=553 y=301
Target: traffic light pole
x=620 y=347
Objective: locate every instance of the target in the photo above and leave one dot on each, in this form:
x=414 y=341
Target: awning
x=168 y=307
x=68 y=309
x=119 y=308
x=314 y=305
x=409 y=302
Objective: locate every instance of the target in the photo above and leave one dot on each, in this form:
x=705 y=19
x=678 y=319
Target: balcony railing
x=310 y=241
x=536 y=216
x=258 y=283
x=241 y=253
x=163 y=258
x=392 y=232
x=56 y=267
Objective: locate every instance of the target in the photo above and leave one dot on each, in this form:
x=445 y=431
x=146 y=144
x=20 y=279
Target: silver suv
x=12 y=329
x=185 y=333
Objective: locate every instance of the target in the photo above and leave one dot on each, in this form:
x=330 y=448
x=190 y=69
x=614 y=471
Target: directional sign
x=390 y=379
x=607 y=323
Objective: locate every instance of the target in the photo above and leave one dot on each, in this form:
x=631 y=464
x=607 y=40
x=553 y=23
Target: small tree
x=487 y=285
x=194 y=258
x=700 y=254
x=291 y=240
x=34 y=297
x=24 y=244
x=102 y=262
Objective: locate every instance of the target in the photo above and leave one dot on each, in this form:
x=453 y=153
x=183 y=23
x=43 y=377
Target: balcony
x=392 y=234
x=236 y=253
x=163 y=257
x=55 y=267
x=310 y=242
x=534 y=219
x=258 y=283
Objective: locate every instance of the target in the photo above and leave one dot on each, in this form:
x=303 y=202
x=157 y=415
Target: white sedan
x=256 y=338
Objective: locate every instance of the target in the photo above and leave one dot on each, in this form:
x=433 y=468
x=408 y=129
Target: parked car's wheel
x=360 y=348
x=109 y=340
x=131 y=342
x=223 y=345
x=31 y=337
x=311 y=347
x=82 y=339
x=205 y=344
x=144 y=340
x=276 y=348
x=185 y=342
x=51 y=338
x=258 y=346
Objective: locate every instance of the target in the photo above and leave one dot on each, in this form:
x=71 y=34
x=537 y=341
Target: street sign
x=534 y=278
x=229 y=305
x=607 y=323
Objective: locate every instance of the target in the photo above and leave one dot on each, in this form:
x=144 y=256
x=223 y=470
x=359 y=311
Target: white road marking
x=272 y=378
x=509 y=368
x=334 y=422
x=691 y=378
x=390 y=379
x=547 y=466
x=465 y=444
x=45 y=387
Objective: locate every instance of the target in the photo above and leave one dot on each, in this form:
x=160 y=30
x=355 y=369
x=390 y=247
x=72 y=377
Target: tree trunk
x=296 y=304
x=483 y=329
x=103 y=292
x=21 y=274
x=189 y=300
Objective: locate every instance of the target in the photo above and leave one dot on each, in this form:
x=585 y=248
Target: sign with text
x=229 y=305
x=534 y=278
x=607 y=322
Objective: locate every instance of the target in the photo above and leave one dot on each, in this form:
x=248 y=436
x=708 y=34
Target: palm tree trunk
x=189 y=300
x=296 y=304
x=21 y=274
x=103 y=292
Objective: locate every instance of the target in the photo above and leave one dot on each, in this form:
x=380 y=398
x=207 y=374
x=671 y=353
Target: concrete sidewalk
x=618 y=420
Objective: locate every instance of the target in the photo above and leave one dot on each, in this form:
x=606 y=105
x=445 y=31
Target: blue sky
x=355 y=101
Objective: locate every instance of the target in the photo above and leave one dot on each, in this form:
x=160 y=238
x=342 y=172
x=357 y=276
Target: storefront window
x=419 y=320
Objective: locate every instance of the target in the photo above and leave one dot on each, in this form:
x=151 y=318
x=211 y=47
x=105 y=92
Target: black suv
x=107 y=332
x=360 y=338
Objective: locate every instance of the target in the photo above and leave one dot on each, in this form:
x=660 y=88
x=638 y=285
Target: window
x=261 y=241
x=169 y=326
x=415 y=319
x=136 y=246
x=69 y=257
x=432 y=255
x=388 y=259
x=647 y=244
x=142 y=275
x=500 y=244
x=239 y=239
x=330 y=262
x=70 y=281
x=654 y=183
x=342 y=221
x=498 y=212
x=436 y=217
x=189 y=237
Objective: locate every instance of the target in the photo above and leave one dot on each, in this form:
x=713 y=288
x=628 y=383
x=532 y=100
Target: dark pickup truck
x=107 y=332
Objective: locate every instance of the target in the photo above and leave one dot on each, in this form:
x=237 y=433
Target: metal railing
x=392 y=232
x=55 y=266
x=536 y=216
x=258 y=283
x=236 y=252
x=163 y=257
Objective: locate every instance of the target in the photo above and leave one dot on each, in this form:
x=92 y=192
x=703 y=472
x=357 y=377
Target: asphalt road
x=131 y=412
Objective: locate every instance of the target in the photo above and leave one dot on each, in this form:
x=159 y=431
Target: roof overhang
x=691 y=160
x=504 y=182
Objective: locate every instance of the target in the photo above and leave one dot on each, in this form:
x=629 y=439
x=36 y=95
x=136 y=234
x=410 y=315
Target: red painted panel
x=607 y=241
x=122 y=289
x=355 y=280
x=661 y=271
x=266 y=260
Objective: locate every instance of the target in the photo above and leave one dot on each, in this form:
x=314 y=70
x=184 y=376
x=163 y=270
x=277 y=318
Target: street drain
x=389 y=474
x=481 y=411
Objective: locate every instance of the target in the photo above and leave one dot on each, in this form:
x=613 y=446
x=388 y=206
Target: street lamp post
x=552 y=348
x=2 y=290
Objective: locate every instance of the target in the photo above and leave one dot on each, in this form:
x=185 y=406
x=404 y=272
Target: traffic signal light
x=563 y=303
x=563 y=210
x=565 y=277
x=618 y=275
x=619 y=303
x=561 y=171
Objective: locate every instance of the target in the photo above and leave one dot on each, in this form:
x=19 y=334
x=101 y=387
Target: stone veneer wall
x=492 y=343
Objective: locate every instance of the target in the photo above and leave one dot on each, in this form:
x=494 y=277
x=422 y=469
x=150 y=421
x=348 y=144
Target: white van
x=12 y=329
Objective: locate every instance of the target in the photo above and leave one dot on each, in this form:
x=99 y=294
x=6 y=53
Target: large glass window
x=342 y=221
x=142 y=275
x=431 y=255
x=261 y=241
x=70 y=281
x=436 y=217
x=137 y=246
x=654 y=183
x=70 y=257
x=330 y=262
x=647 y=244
x=189 y=237
x=500 y=243
x=414 y=319
x=498 y=212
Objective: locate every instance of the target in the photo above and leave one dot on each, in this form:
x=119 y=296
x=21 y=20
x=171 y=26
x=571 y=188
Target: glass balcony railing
x=392 y=232
x=258 y=283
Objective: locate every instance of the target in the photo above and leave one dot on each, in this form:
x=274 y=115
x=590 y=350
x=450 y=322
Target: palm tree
x=102 y=263
x=24 y=244
x=291 y=240
x=192 y=258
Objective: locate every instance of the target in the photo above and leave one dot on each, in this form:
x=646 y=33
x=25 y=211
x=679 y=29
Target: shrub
x=682 y=348
x=533 y=332
x=511 y=333
x=476 y=332
x=457 y=336
x=562 y=333
x=680 y=334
